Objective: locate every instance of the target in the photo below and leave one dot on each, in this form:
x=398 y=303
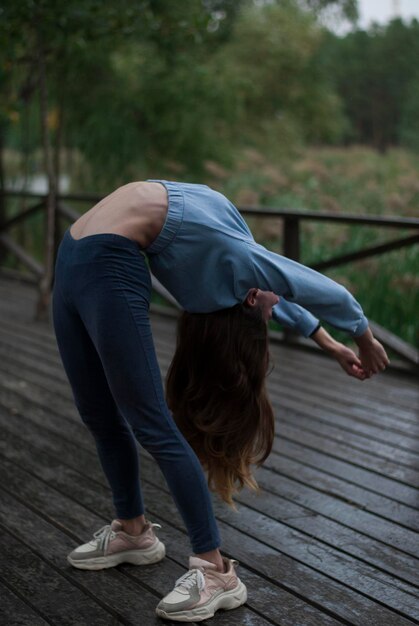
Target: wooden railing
x=291 y=244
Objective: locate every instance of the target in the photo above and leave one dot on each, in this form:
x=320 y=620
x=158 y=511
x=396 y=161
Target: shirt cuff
x=315 y=330
x=361 y=328
x=307 y=324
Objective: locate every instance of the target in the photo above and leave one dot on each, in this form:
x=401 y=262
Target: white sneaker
x=199 y=593
x=111 y=546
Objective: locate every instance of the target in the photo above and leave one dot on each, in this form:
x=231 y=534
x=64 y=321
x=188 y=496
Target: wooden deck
x=331 y=539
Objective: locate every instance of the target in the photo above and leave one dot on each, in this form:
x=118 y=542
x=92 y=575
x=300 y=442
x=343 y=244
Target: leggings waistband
x=101 y=238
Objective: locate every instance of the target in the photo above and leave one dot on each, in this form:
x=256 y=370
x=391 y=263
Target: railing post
x=292 y=238
x=3 y=253
x=291 y=248
x=57 y=231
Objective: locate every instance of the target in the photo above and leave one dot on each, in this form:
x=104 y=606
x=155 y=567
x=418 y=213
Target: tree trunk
x=46 y=280
x=57 y=164
x=2 y=189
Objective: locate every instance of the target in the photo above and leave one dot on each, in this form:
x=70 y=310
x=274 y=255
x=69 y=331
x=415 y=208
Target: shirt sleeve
x=294 y=316
x=319 y=295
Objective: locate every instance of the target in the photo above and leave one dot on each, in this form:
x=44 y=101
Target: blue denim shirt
x=207 y=258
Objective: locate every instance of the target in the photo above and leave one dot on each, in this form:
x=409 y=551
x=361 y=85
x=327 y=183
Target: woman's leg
x=116 y=445
x=104 y=334
x=116 y=317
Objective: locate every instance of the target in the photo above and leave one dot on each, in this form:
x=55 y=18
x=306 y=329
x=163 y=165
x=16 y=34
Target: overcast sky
x=380 y=11
x=384 y=10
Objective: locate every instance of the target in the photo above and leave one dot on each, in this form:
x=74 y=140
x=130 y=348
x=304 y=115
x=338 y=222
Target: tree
x=281 y=96
x=374 y=72
x=39 y=37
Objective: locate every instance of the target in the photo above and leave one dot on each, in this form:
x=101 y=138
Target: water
x=37 y=184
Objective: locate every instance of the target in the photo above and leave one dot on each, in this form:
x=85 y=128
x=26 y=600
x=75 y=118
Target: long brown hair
x=215 y=388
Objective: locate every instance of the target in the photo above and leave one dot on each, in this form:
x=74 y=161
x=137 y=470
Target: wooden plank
x=328 y=365
x=396 y=344
x=287 y=433
x=380 y=484
x=332 y=406
x=32 y=345
x=384 y=484
x=287 y=471
x=307 y=431
x=17 y=275
x=115 y=591
x=402 y=473
x=288 y=406
x=16 y=401
x=89 y=469
x=292 y=238
x=301 y=518
x=319 y=368
x=334 y=521
x=284 y=351
x=317 y=503
x=14 y=339
x=22 y=255
x=168 y=513
x=23 y=215
x=35 y=395
x=314 y=362
x=403 y=450
x=55 y=506
x=381 y=220
x=16 y=611
x=348 y=218
x=247 y=521
x=364 y=253
x=347 y=394
x=51 y=593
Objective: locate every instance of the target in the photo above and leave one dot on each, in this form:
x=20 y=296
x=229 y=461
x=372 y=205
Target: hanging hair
x=216 y=390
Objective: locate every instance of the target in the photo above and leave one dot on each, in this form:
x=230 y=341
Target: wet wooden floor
x=332 y=538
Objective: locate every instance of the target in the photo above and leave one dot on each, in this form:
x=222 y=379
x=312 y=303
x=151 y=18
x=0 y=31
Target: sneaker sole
x=136 y=557
x=228 y=600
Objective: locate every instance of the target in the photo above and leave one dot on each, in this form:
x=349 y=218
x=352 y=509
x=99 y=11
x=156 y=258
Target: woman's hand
x=373 y=357
x=349 y=362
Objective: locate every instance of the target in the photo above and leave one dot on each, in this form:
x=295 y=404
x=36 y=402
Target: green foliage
x=278 y=97
x=409 y=122
x=375 y=73
x=141 y=86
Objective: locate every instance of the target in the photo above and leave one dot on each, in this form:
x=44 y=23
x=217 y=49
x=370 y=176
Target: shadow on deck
x=331 y=538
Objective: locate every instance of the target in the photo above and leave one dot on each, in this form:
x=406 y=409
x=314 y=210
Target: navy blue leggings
x=100 y=309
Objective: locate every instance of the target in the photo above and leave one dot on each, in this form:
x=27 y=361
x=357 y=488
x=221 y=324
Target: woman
x=202 y=251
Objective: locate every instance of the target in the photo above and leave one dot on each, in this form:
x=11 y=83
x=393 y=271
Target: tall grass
x=354 y=180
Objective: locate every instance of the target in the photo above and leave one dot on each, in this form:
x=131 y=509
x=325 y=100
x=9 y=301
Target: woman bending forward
x=220 y=418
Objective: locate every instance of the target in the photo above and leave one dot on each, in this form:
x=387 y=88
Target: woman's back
x=136 y=210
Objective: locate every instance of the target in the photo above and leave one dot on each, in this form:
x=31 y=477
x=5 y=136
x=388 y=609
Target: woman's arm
x=372 y=356
x=321 y=296
x=325 y=299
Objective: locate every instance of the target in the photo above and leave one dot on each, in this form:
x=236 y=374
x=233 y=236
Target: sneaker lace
x=192 y=577
x=103 y=537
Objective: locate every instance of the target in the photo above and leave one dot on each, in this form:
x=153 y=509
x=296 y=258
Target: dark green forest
x=134 y=87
